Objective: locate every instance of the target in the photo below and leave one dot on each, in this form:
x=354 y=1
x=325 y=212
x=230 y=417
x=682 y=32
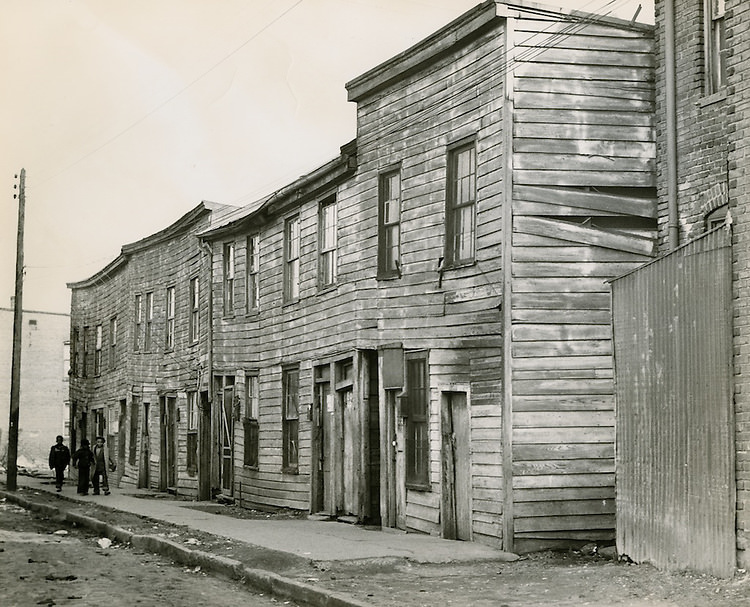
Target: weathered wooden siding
x=676 y=489
x=453 y=314
x=583 y=105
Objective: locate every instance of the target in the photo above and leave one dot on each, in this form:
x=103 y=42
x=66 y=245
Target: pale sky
x=126 y=115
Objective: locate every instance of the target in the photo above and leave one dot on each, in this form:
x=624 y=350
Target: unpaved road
x=41 y=567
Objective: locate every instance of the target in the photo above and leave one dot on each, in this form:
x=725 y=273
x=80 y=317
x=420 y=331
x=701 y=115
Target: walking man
x=100 y=467
x=83 y=459
x=59 y=458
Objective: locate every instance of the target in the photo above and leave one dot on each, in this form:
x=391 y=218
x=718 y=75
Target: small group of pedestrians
x=92 y=465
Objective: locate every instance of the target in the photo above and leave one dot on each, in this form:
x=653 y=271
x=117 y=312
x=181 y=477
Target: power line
x=175 y=95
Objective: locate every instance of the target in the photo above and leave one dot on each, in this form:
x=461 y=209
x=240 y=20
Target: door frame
x=456 y=490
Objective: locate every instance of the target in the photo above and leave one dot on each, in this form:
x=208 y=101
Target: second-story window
x=389 y=225
x=113 y=342
x=252 y=266
x=138 y=329
x=149 y=321
x=85 y=352
x=715 y=45
x=327 y=240
x=291 y=259
x=169 y=341
x=75 y=351
x=461 y=197
x=194 y=311
x=98 y=351
x=228 y=265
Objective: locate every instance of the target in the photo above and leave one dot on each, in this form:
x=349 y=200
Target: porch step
x=320 y=516
x=348 y=518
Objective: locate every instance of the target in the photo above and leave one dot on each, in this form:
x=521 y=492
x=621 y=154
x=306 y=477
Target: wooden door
x=350 y=457
x=144 y=475
x=204 y=448
x=320 y=501
x=227 y=440
x=456 y=467
x=168 y=467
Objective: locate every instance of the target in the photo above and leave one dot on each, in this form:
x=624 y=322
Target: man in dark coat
x=101 y=463
x=59 y=458
x=83 y=458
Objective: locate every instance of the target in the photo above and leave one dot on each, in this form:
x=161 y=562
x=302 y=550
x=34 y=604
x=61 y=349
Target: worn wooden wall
x=583 y=212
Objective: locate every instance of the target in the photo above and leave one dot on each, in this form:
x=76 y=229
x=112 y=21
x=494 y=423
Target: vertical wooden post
x=15 y=379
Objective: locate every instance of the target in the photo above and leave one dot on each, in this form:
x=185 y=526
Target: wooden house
x=418 y=333
x=139 y=350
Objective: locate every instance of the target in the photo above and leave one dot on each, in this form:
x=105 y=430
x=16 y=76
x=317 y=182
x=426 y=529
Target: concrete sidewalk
x=315 y=540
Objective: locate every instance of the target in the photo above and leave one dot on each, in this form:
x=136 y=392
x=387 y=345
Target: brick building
x=44 y=383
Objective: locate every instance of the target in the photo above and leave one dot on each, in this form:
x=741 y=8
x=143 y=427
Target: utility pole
x=15 y=374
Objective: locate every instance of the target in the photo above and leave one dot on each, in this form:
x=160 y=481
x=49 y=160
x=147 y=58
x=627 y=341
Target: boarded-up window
x=327 y=243
x=389 y=225
x=417 y=412
x=291 y=259
x=290 y=419
x=192 y=433
x=250 y=421
x=461 y=204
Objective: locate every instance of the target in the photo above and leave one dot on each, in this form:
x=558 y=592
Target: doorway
x=225 y=402
x=167 y=443
x=456 y=467
x=144 y=473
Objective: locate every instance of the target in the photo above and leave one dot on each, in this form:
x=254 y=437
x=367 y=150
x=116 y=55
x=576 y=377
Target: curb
x=258 y=579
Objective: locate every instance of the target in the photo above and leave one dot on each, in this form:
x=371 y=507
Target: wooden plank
x=590 y=102
x=607 y=269
x=567 y=466
x=568 y=252
x=563 y=386
x=594 y=363
x=541 y=374
x=621 y=90
x=556 y=495
x=563 y=419
x=552 y=316
x=560 y=481
x=560 y=451
x=593 y=147
x=575 y=162
x=637 y=179
x=586 y=234
x=639 y=124
x=555 y=300
x=580 y=130
x=571 y=435
x=553 y=332
x=569 y=507
x=566 y=284
x=548 y=69
x=593 y=57
x=554 y=402
x=559 y=523
x=594 y=200
x=562 y=348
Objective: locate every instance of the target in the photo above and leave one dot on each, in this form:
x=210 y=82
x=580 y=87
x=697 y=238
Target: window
x=194 y=312
x=149 y=321
x=228 y=278
x=85 y=352
x=252 y=411
x=74 y=352
x=98 y=351
x=389 y=225
x=252 y=265
x=291 y=259
x=169 y=341
x=192 y=433
x=138 y=333
x=113 y=342
x=715 y=45
x=290 y=419
x=717 y=217
x=461 y=202
x=417 y=424
x=327 y=240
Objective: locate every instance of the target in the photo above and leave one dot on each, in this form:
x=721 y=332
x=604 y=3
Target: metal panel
x=675 y=439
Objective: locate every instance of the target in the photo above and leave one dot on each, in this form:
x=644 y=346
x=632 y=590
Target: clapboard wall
x=583 y=212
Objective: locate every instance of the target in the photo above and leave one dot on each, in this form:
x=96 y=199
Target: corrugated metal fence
x=675 y=477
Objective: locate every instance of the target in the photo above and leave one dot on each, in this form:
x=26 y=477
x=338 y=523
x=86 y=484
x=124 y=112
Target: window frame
x=250 y=421
x=327 y=243
x=85 y=352
x=228 y=265
x=169 y=321
x=290 y=424
x=113 y=342
x=454 y=207
x=292 y=246
x=386 y=226
x=715 y=46
x=138 y=323
x=99 y=333
x=194 y=319
x=252 y=272
x=417 y=422
x=148 y=334
x=191 y=446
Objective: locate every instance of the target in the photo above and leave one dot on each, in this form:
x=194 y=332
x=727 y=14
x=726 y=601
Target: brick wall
x=713 y=147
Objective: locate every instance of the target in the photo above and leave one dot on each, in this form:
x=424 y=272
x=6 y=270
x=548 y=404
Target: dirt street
x=44 y=562
x=560 y=579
